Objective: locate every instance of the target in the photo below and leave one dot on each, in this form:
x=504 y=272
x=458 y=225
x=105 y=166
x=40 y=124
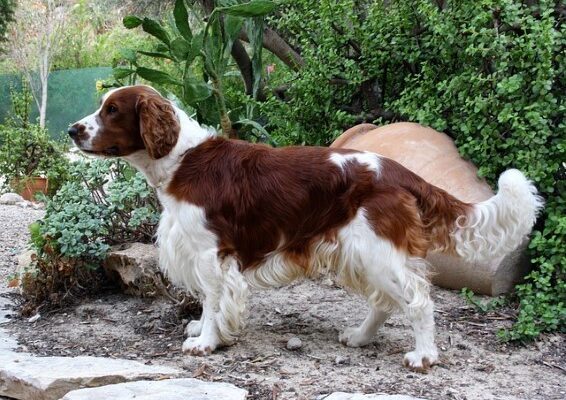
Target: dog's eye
x=112 y=109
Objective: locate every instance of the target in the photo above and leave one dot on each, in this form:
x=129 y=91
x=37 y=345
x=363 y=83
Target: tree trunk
x=43 y=108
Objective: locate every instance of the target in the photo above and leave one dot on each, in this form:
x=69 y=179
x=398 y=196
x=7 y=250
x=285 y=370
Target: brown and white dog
x=237 y=213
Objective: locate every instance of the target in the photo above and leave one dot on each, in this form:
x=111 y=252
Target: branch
x=278 y=46
x=244 y=63
x=354 y=45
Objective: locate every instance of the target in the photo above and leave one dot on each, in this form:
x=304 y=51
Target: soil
x=474 y=364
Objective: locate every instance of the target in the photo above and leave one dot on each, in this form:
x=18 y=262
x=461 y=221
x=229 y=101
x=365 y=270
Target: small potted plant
x=30 y=161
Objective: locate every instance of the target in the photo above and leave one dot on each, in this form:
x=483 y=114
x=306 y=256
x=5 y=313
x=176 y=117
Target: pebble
x=341 y=360
x=294 y=344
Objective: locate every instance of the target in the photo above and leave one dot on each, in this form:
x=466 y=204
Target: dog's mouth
x=111 y=151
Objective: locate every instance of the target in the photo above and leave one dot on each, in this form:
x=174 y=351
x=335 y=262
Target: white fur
x=188 y=255
x=371 y=160
x=499 y=225
x=159 y=172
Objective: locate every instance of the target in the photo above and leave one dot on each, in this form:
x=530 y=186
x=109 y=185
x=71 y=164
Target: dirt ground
x=474 y=365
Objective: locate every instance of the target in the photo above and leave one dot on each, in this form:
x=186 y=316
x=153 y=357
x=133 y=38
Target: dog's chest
x=187 y=248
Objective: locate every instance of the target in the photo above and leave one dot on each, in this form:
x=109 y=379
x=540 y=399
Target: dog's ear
x=159 y=126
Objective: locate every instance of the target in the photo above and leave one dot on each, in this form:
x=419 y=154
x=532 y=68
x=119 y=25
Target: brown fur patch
x=159 y=127
x=258 y=199
x=133 y=119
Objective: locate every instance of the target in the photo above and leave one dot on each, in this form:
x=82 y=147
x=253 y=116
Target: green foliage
x=6 y=16
x=489 y=73
x=199 y=61
x=482 y=307
x=92 y=31
x=104 y=203
x=26 y=150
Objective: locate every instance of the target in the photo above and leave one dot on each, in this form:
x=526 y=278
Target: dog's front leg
x=225 y=293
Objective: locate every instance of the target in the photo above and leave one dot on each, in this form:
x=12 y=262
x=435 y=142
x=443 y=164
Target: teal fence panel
x=71 y=95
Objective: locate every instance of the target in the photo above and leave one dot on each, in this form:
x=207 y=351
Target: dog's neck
x=160 y=172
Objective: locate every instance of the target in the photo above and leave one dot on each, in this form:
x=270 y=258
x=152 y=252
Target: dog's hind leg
x=225 y=293
x=405 y=283
x=362 y=335
x=390 y=279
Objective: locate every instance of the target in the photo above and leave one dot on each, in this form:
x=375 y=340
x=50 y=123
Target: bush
x=104 y=203
x=490 y=74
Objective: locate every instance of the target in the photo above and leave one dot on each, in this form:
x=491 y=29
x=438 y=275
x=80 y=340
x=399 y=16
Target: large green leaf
x=129 y=54
x=182 y=20
x=156 y=76
x=255 y=8
x=196 y=90
x=254 y=29
x=155 y=29
x=212 y=44
x=121 y=73
x=155 y=54
x=196 y=47
x=232 y=27
x=180 y=48
x=131 y=21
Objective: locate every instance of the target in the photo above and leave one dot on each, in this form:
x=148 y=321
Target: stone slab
x=170 y=389
x=26 y=377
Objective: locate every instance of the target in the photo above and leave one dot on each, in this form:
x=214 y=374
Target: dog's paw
x=420 y=362
x=353 y=337
x=194 y=328
x=199 y=346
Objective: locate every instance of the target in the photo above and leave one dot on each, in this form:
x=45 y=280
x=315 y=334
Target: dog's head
x=130 y=119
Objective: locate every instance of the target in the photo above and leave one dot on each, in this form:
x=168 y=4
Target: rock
x=294 y=344
x=23 y=204
x=11 y=198
x=341 y=360
x=361 y=396
x=433 y=156
x=38 y=206
x=23 y=376
x=37 y=316
x=170 y=389
x=136 y=266
x=26 y=269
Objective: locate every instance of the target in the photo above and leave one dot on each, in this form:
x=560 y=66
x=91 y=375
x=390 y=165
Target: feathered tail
x=499 y=225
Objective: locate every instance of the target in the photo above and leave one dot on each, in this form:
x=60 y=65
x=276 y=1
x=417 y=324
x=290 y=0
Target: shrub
x=490 y=74
x=104 y=203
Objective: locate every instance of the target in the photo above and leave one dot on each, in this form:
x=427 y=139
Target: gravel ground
x=473 y=364
x=14 y=236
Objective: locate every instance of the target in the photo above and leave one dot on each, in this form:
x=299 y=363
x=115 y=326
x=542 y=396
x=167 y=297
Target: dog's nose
x=73 y=131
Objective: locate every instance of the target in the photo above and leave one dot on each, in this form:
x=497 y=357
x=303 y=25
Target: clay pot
x=28 y=187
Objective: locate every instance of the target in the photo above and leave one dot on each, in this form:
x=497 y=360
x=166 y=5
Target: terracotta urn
x=433 y=156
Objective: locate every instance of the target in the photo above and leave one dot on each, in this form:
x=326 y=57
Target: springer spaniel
x=237 y=213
